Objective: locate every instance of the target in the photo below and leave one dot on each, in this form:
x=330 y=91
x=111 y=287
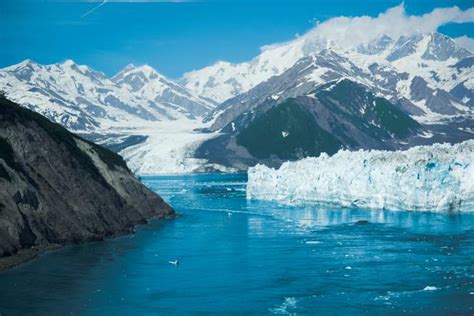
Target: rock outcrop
x=57 y=188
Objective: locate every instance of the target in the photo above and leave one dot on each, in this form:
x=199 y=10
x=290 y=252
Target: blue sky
x=173 y=37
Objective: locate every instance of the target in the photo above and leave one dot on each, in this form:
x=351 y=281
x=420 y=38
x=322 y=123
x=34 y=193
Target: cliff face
x=57 y=188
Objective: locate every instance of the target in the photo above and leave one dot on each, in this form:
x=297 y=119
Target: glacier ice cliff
x=438 y=178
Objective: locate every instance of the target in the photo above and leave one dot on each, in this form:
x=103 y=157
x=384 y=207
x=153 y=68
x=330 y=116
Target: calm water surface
x=241 y=257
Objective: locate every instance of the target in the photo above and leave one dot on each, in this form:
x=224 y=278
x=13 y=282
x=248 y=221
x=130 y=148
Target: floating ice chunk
x=436 y=178
x=430 y=288
x=288 y=304
x=426 y=134
x=312 y=242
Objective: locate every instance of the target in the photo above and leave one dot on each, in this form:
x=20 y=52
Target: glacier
x=436 y=178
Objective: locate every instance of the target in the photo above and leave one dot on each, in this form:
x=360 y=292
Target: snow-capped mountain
x=340 y=114
x=224 y=80
x=157 y=126
x=391 y=64
x=328 y=101
x=423 y=70
x=300 y=79
x=434 y=46
x=82 y=99
x=148 y=84
x=375 y=47
x=420 y=77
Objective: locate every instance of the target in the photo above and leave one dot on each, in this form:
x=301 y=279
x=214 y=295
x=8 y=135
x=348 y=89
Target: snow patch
x=168 y=149
x=426 y=134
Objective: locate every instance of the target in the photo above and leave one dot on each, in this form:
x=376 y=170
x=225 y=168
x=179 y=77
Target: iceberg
x=437 y=178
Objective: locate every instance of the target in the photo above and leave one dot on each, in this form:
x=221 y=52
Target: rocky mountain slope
x=341 y=114
x=57 y=188
x=430 y=79
x=391 y=62
x=386 y=94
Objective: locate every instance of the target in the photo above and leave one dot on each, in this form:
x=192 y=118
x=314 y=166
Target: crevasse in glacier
x=437 y=178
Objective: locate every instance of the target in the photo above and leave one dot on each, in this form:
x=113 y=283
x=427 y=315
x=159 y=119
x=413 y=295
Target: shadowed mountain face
x=287 y=131
x=57 y=188
x=411 y=92
x=336 y=115
x=389 y=94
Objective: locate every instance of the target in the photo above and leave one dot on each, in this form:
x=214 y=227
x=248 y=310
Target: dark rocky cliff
x=57 y=188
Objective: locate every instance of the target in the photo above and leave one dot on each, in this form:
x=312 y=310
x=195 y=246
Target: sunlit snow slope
x=138 y=103
x=168 y=148
x=427 y=70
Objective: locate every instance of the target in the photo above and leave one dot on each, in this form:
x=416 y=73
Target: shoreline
x=28 y=254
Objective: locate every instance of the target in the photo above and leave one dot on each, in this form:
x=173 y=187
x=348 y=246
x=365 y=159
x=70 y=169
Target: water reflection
x=320 y=216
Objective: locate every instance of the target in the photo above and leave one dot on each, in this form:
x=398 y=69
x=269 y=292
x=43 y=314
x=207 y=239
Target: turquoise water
x=241 y=257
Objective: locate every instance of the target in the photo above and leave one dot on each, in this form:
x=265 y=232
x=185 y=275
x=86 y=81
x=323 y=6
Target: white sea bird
x=174 y=262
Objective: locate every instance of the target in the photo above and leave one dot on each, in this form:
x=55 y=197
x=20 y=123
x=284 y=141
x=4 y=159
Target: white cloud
x=466 y=42
x=350 y=31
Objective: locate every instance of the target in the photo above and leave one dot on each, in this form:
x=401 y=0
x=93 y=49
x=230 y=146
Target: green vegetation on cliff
x=287 y=131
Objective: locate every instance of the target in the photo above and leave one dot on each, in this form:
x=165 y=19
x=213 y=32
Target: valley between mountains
x=294 y=100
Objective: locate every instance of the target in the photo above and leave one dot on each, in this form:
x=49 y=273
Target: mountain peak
x=69 y=63
x=24 y=64
x=27 y=62
x=128 y=67
x=147 y=70
x=441 y=48
x=136 y=76
x=405 y=45
x=431 y=46
x=377 y=46
x=23 y=70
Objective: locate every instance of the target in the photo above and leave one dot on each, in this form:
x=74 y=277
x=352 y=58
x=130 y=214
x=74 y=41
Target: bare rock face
x=57 y=188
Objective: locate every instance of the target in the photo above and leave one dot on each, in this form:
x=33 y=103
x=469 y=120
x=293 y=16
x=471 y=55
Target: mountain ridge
x=149 y=118
x=83 y=99
x=345 y=114
x=416 y=96
x=234 y=79
x=57 y=188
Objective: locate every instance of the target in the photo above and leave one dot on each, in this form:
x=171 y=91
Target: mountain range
x=423 y=72
x=424 y=55
x=83 y=99
x=293 y=100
